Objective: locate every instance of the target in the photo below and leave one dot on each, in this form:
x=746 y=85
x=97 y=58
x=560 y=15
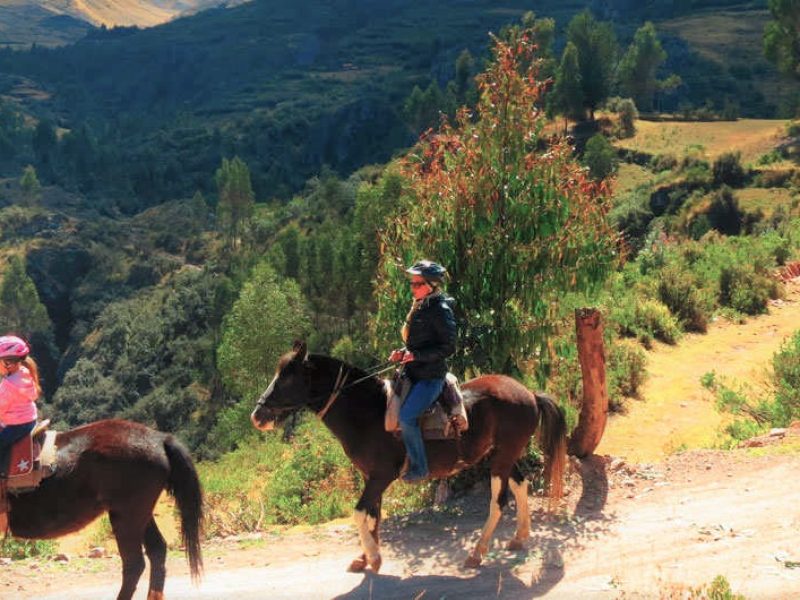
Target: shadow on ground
x=438 y=540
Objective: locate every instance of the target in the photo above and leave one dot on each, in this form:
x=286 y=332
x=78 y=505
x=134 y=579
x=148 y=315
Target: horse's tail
x=553 y=440
x=184 y=485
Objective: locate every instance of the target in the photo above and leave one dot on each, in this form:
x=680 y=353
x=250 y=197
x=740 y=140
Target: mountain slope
x=290 y=85
x=24 y=22
x=58 y=22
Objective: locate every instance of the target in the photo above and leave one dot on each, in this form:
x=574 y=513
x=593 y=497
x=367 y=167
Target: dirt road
x=625 y=532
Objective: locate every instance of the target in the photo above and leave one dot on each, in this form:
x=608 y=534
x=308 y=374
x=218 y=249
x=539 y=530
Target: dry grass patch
x=767 y=199
x=752 y=137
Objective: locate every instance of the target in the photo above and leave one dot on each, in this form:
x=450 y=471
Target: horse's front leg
x=367 y=517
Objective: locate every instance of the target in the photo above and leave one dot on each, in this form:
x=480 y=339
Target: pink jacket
x=18 y=396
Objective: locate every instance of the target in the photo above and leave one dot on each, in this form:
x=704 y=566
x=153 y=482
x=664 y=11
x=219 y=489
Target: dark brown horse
x=119 y=467
x=503 y=416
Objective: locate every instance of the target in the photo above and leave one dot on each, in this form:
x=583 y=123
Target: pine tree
x=597 y=49
x=637 y=71
x=568 y=91
x=23 y=311
x=236 y=202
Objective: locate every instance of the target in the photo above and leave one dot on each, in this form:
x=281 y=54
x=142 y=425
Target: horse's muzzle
x=262 y=425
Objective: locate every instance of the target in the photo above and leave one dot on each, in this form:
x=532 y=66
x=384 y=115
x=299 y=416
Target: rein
x=339 y=386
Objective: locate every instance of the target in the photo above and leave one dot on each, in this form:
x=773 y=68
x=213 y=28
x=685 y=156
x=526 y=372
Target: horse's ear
x=300 y=351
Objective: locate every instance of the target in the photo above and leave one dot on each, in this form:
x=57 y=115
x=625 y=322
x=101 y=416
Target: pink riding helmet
x=13 y=347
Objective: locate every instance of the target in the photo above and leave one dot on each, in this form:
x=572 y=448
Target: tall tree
x=597 y=56
x=568 y=91
x=236 y=200
x=517 y=224
x=782 y=36
x=29 y=183
x=23 y=311
x=637 y=70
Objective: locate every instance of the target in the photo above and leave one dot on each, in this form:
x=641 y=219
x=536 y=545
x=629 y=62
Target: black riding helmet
x=428 y=269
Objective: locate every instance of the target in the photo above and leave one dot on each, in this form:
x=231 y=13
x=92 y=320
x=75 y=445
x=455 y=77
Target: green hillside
x=292 y=86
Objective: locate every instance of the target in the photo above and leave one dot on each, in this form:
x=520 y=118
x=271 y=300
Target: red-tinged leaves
x=514 y=217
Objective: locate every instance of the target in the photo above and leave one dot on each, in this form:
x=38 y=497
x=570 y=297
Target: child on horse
x=429 y=333
x=19 y=390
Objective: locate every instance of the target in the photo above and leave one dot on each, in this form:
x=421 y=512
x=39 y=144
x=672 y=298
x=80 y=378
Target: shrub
x=626 y=372
x=774 y=178
x=632 y=217
x=724 y=213
x=600 y=157
x=728 y=169
x=678 y=290
x=18 y=549
x=786 y=366
x=744 y=290
x=627 y=114
x=663 y=162
x=646 y=319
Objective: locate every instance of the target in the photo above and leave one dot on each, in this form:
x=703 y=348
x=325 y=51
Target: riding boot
x=3 y=508
x=415 y=446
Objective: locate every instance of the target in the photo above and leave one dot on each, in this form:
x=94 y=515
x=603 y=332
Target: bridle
x=340 y=385
x=341 y=378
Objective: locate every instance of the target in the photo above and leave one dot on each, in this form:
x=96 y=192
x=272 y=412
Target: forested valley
x=178 y=204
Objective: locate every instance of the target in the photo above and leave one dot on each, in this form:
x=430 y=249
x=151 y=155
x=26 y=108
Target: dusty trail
x=676 y=411
x=627 y=530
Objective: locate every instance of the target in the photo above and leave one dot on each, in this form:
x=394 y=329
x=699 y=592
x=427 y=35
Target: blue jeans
x=8 y=435
x=423 y=393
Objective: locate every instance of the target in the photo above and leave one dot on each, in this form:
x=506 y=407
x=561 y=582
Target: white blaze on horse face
x=257 y=423
x=366 y=525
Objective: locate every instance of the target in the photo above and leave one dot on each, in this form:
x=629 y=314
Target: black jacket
x=431 y=338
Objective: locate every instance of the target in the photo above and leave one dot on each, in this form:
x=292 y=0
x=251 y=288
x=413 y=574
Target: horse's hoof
x=472 y=562
x=153 y=595
x=515 y=545
x=358 y=565
x=375 y=564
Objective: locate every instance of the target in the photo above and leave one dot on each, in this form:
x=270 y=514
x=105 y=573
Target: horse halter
x=337 y=389
x=339 y=386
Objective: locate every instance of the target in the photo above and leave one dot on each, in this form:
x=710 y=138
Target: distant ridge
x=58 y=22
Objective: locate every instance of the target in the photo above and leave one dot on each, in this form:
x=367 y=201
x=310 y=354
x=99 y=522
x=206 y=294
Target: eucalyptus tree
x=511 y=214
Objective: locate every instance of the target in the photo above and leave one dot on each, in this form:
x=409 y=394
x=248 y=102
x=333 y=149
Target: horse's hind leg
x=156 y=549
x=519 y=487
x=499 y=489
x=130 y=536
x=367 y=517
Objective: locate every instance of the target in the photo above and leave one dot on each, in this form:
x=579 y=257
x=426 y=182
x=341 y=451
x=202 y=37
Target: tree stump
x=594 y=410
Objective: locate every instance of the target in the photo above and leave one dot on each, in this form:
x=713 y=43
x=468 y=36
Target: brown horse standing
x=503 y=416
x=119 y=467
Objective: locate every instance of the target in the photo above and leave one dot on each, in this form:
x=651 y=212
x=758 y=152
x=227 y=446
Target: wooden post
x=592 y=421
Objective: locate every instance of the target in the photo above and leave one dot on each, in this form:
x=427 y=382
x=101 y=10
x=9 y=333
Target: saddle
x=32 y=458
x=445 y=419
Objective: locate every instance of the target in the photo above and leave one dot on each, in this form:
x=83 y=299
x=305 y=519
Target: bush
x=663 y=162
x=627 y=114
x=786 y=366
x=679 y=291
x=18 y=549
x=627 y=366
x=744 y=290
x=600 y=157
x=728 y=169
x=724 y=213
x=646 y=319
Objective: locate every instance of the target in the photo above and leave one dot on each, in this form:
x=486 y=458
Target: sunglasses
x=416 y=284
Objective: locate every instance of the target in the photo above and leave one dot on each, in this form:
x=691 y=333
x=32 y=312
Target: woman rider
x=430 y=337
